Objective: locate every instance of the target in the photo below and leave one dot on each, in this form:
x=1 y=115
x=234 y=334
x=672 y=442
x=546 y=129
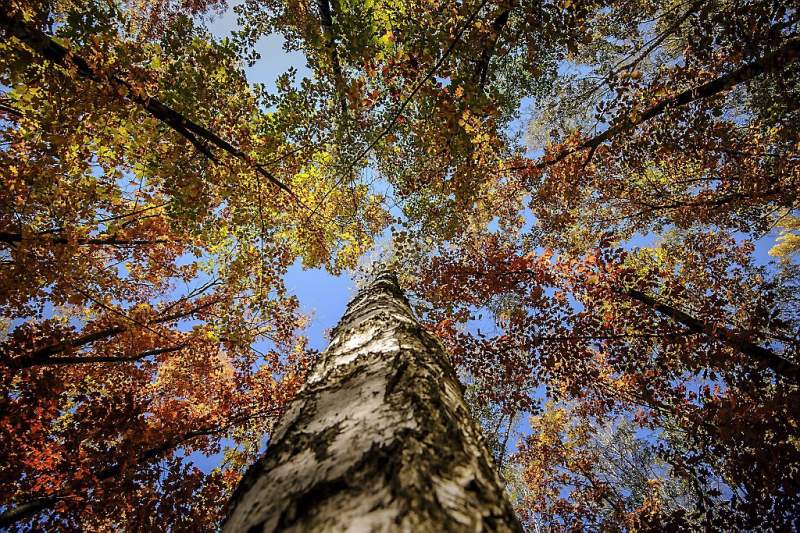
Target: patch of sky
x=518 y=127
x=274 y=58
x=321 y=295
x=444 y=82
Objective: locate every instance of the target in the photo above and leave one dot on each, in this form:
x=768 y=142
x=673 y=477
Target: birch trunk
x=378 y=439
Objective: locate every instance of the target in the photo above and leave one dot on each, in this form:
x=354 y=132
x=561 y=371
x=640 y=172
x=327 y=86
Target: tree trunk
x=378 y=439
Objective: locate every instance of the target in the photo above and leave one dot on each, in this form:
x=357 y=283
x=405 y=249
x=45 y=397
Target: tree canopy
x=579 y=194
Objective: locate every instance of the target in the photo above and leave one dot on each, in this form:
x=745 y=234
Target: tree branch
x=191 y=131
x=652 y=45
x=772 y=62
x=735 y=340
x=481 y=73
x=12 y=238
x=775 y=362
x=54 y=361
x=41 y=355
x=326 y=21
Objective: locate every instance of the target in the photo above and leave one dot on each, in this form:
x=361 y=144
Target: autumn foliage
x=580 y=196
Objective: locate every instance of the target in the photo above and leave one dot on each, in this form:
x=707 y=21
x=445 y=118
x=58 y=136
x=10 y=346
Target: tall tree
x=379 y=437
x=143 y=241
x=612 y=255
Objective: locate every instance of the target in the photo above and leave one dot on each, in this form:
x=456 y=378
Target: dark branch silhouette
x=775 y=362
x=481 y=74
x=775 y=61
x=13 y=238
x=43 y=354
x=198 y=135
x=54 y=361
x=326 y=21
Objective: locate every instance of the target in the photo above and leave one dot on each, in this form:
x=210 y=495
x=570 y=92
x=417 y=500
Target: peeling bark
x=378 y=439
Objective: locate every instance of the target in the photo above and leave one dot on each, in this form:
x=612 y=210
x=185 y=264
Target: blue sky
x=274 y=59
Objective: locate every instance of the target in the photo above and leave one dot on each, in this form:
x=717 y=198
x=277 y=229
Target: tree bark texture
x=378 y=439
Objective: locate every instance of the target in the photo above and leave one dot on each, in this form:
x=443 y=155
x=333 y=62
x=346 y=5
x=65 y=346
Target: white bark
x=378 y=439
